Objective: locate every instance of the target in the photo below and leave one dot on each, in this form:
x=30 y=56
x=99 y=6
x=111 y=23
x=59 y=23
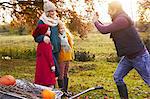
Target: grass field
x=83 y=75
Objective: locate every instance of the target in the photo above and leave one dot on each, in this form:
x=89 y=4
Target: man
x=128 y=45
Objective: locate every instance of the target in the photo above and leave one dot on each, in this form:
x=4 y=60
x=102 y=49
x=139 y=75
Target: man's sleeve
x=118 y=24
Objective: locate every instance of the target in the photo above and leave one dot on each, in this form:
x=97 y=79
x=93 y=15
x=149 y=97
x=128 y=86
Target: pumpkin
x=47 y=94
x=7 y=80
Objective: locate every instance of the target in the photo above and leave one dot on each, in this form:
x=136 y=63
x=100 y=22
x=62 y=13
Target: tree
x=23 y=12
x=27 y=12
x=144 y=14
x=144 y=20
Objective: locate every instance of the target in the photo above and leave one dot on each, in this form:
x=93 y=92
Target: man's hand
x=46 y=39
x=95 y=18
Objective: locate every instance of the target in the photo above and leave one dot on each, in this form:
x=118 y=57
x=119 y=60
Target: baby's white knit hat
x=48 y=5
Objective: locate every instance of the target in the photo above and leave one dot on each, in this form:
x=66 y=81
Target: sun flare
x=130 y=6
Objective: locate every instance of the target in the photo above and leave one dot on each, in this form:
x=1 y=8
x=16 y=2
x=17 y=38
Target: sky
x=129 y=6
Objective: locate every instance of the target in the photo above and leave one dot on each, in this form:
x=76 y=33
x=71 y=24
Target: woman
x=49 y=17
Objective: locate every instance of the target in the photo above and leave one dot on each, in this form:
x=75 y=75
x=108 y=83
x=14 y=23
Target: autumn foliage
x=26 y=14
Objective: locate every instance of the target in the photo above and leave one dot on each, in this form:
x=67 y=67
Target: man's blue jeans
x=140 y=63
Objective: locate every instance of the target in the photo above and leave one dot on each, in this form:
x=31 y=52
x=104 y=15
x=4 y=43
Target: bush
x=143 y=27
x=21 y=30
x=84 y=56
x=4 y=29
x=113 y=58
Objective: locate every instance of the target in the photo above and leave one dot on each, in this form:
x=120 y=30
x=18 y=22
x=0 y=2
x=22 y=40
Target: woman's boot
x=66 y=79
x=66 y=84
x=60 y=84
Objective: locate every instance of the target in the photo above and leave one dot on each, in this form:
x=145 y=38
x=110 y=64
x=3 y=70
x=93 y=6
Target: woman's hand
x=46 y=39
x=95 y=18
x=48 y=33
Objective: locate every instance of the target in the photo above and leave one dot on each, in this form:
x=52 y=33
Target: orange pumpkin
x=47 y=94
x=7 y=80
